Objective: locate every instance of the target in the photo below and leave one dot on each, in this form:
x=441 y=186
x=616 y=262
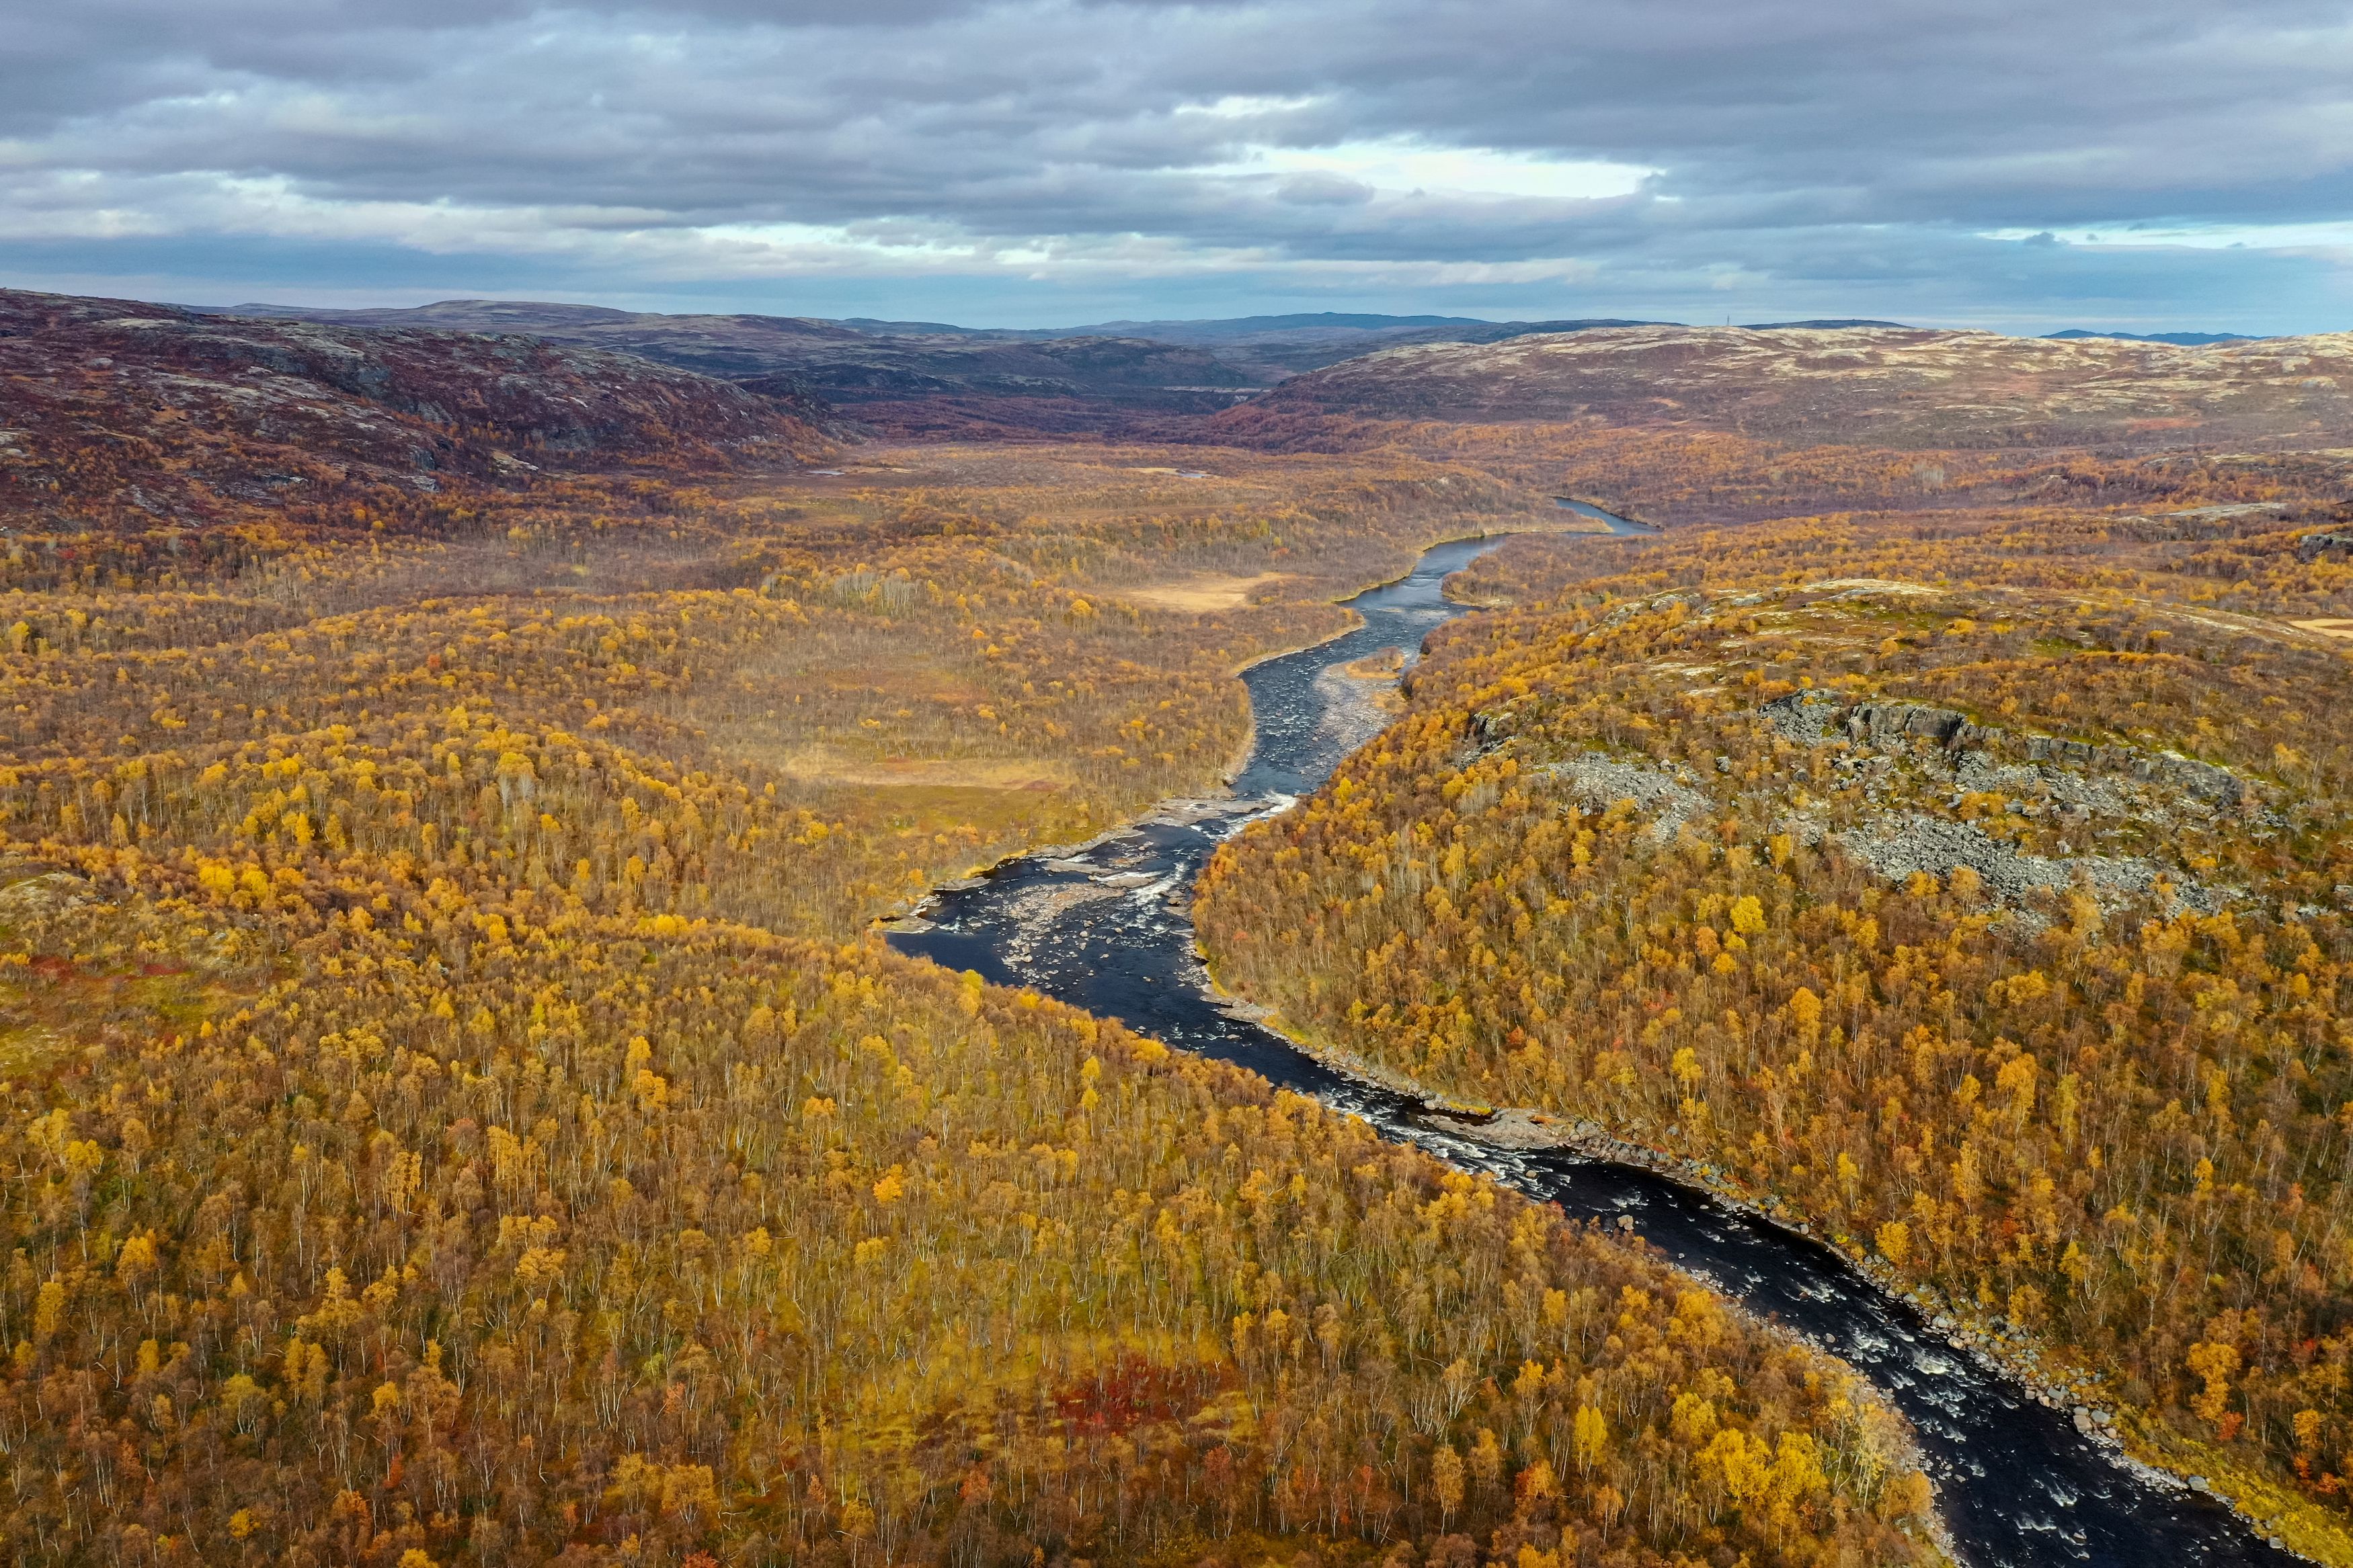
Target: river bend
x=1109 y=928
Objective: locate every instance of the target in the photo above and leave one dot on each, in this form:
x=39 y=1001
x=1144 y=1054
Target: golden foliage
x=2087 y=1084
x=446 y=1125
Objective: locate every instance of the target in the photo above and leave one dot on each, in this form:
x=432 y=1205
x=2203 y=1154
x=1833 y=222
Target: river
x=1109 y=928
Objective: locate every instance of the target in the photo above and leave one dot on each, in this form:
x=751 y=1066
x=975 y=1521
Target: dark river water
x=1109 y=929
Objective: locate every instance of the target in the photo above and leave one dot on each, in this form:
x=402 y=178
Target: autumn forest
x=457 y=1107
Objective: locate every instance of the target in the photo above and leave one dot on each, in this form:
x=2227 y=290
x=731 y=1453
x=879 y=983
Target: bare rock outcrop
x=1901 y=844
x=1604 y=781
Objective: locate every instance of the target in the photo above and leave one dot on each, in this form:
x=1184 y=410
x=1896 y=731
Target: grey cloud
x=1816 y=145
x=1323 y=190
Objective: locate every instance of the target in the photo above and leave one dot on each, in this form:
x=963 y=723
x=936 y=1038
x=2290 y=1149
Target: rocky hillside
x=118 y=414
x=1880 y=385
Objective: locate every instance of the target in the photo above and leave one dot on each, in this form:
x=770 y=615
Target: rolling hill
x=930 y=376
x=120 y=410
x=1886 y=385
x=870 y=372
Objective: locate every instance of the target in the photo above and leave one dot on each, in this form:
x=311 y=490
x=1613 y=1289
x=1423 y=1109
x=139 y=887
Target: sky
x=2016 y=164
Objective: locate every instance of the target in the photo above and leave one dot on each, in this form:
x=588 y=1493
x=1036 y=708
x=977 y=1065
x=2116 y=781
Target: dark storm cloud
x=1795 y=152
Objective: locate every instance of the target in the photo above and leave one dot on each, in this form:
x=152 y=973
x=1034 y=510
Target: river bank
x=1107 y=927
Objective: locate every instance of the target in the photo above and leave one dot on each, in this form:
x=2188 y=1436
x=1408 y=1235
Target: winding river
x=1108 y=928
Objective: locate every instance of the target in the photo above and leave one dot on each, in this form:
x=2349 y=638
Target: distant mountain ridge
x=1234 y=329
x=1166 y=366
x=1236 y=326
x=867 y=373
x=1832 y=325
x=1175 y=328
x=2179 y=340
x=1272 y=348
x=1124 y=377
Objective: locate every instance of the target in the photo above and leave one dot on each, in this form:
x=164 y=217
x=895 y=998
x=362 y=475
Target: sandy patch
x=2328 y=628
x=821 y=764
x=1199 y=594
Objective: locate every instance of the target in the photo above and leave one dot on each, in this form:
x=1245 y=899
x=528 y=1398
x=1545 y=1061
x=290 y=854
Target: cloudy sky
x=2023 y=165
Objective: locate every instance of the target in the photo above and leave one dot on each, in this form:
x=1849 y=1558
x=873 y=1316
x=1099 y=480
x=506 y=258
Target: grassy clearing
x=1206 y=592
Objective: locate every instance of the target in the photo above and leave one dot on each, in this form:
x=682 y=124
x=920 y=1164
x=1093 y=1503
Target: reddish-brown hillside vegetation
x=116 y=410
